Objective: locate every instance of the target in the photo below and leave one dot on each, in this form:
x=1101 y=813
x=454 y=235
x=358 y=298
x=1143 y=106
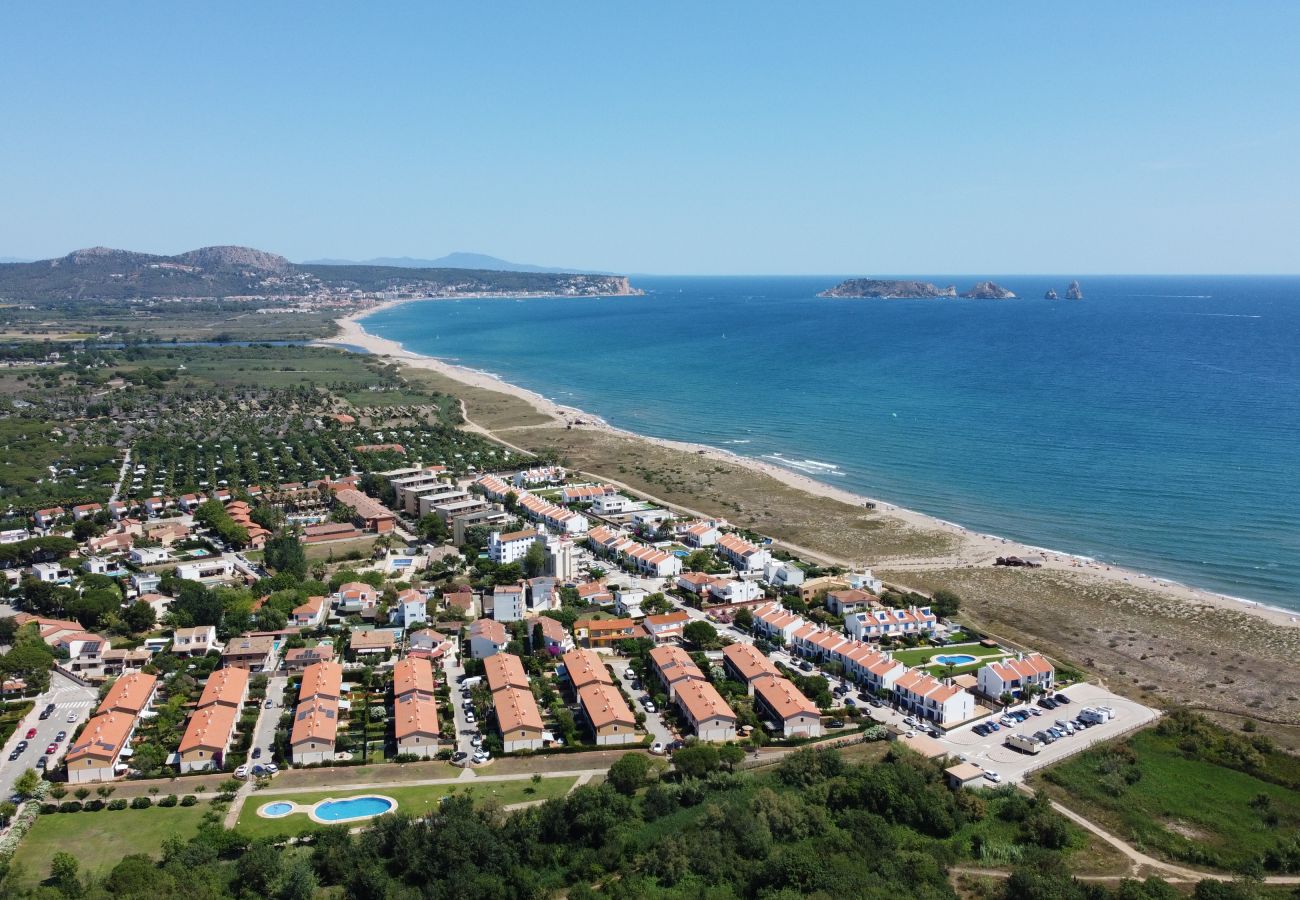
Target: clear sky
x=662 y=137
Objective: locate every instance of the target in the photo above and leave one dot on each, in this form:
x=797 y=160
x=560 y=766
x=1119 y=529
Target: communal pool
x=276 y=810
x=352 y=808
x=955 y=659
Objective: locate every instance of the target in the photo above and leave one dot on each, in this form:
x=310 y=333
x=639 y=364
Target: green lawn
x=99 y=840
x=414 y=800
x=1176 y=805
x=922 y=655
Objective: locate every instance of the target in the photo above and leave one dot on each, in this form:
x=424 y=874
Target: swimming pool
x=956 y=659
x=401 y=563
x=276 y=810
x=352 y=808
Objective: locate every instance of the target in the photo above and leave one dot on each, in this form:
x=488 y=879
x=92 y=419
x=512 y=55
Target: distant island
x=885 y=289
x=891 y=289
x=246 y=273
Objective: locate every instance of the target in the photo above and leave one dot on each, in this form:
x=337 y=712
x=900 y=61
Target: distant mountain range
x=105 y=273
x=457 y=260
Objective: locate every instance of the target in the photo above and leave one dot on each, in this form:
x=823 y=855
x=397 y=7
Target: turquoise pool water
x=401 y=563
x=352 y=808
x=277 y=809
x=956 y=659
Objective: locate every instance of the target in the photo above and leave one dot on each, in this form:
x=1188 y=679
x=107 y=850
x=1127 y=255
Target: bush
x=70 y=806
x=119 y=803
x=189 y=800
x=169 y=801
x=93 y=805
x=49 y=808
x=141 y=803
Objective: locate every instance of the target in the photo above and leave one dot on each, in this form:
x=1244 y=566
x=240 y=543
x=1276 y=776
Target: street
x=267 y=719
x=67 y=697
x=654 y=721
x=454 y=671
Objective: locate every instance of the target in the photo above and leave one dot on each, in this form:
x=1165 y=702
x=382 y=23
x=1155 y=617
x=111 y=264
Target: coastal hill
x=456 y=260
x=987 y=290
x=888 y=289
x=105 y=273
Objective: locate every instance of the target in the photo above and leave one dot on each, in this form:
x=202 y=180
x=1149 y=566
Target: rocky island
x=885 y=289
x=1050 y=295
x=987 y=290
x=1074 y=292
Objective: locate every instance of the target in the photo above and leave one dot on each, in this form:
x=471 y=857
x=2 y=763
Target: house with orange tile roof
x=605 y=632
x=665 y=627
x=310 y=614
x=315 y=729
x=1013 y=674
x=415 y=724
x=876 y=622
x=504 y=670
x=674 y=667
x=555 y=637
x=942 y=703
x=705 y=711
x=701 y=534
x=322 y=679
x=772 y=619
x=47 y=517
x=746 y=664
x=777 y=699
x=131 y=694
x=95 y=755
x=225 y=687
x=849 y=600
x=207 y=738
x=486 y=638
x=584 y=667
x=518 y=719
x=413 y=675
x=299 y=658
x=607 y=714
x=594 y=593
x=512 y=546
x=746 y=557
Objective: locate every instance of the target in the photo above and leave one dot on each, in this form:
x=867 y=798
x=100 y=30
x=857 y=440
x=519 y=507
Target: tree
x=701 y=634
x=1006 y=699
x=730 y=755
x=696 y=761
x=258 y=867
x=284 y=554
x=63 y=872
x=27 y=783
x=945 y=604
x=628 y=773
x=744 y=618
x=535 y=560
x=139 y=617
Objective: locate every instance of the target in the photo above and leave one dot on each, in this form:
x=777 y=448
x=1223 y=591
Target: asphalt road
x=267 y=719
x=654 y=721
x=69 y=698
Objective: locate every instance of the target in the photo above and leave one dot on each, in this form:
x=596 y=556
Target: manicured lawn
x=414 y=800
x=99 y=840
x=922 y=655
x=1175 y=805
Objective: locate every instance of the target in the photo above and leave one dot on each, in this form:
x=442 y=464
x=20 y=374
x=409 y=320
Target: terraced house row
x=607 y=714
x=555 y=517
x=775 y=696
x=701 y=705
x=415 y=708
x=616 y=545
x=97 y=753
x=211 y=727
x=518 y=719
x=316 y=717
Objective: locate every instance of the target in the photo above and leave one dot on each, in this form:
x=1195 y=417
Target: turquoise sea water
x=1155 y=424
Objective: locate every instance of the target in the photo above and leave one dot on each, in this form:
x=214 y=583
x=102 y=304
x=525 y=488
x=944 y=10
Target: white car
x=242 y=771
x=469 y=718
x=628 y=673
x=649 y=706
x=909 y=721
x=992 y=776
x=72 y=717
x=272 y=768
x=657 y=749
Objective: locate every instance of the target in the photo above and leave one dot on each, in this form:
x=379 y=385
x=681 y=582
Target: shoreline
x=975 y=549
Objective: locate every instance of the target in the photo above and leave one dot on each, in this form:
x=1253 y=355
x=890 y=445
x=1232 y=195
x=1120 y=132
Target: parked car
x=242 y=771
x=47 y=712
x=31 y=733
x=72 y=717
x=850 y=702
x=459 y=756
x=909 y=721
x=835 y=723
x=992 y=776
x=1061 y=698
x=981 y=730
x=270 y=703
x=15 y=754
x=674 y=746
x=994 y=726
x=271 y=768
x=1047 y=703
x=877 y=702
x=469 y=717
x=629 y=673
x=43 y=763
x=58 y=738
x=257 y=753
x=20 y=747
x=806 y=666
x=52 y=749
x=657 y=748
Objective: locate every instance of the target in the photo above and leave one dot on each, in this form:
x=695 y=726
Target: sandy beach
x=973 y=549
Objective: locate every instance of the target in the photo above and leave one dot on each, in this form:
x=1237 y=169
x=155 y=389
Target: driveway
x=68 y=697
x=464 y=730
x=654 y=721
x=268 y=719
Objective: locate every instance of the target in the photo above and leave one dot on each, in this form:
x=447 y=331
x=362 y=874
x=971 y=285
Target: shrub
x=119 y=803
x=169 y=801
x=70 y=806
x=189 y=800
x=94 y=806
x=141 y=803
x=49 y=807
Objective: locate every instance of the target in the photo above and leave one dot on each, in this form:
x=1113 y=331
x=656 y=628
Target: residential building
x=196 y=641
x=879 y=622
x=487 y=637
x=131 y=694
x=508 y=602
x=1011 y=675
x=411 y=608
x=776 y=698
x=299 y=658
x=518 y=719
x=149 y=556
x=922 y=694
x=584 y=493
x=373 y=641
x=843 y=602
x=97 y=565
x=746 y=557
x=744 y=663
x=611 y=505
x=95 y=754
x=207 y=738
x=322 y=679
x=594 y=593
x=701 y=534
x=47 y=517
x=511 y=547
x=315 y=730
x=705 y=711
x=414 y=675
x=555 y=637
x=772 y=620
x=310 y=614
x=627 y=602
x=225 y=687
x=504 y=670
x=542 y=595
x=256 y=653
x=415 y=725
x=735 y=590
x=86 y=511
x=585 y=667
x=605 y=632
x=541 y=475
x=607 y=714
x=666 y=627
x=369 y=513
x=217 y=568
x=431 y=645
x=783 y=574
x=674 y=667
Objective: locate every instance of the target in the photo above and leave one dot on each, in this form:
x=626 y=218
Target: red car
x=52 y=749
x=31 y=733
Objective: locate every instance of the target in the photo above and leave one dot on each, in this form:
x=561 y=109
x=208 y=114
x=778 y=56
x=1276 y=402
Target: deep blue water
x=1155 y=424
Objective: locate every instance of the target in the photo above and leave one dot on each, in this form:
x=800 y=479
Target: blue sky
x=665 y=138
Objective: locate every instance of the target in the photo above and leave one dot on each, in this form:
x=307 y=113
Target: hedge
x=141 y=803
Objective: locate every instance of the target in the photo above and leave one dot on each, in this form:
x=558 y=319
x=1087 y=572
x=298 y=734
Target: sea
x=1155 y=424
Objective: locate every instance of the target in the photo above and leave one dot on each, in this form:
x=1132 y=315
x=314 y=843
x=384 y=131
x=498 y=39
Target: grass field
x=99 y=840
x=414 y=800
x=923 y=655
x=1172 y=805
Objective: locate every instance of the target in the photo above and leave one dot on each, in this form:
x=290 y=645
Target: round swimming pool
x=275 y=810
x=956 y=659
x=352 y=808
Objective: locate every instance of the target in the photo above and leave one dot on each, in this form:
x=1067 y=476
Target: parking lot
x=69 y=699
x=654 y=721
